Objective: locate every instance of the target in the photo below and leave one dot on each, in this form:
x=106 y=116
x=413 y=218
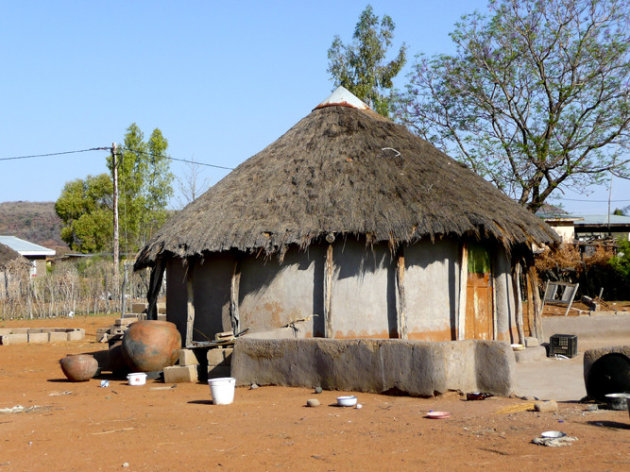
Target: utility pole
x=116 y=247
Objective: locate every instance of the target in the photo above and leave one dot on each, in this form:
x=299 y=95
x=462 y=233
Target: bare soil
x=80 y=426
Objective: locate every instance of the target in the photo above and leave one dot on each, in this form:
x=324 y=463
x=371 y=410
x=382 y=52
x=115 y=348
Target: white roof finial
x=343 y=97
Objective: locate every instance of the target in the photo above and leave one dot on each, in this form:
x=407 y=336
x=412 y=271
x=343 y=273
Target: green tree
x=144 y=186
x=85 y=207
x=535 y=98
x=144 y=189
x=361 y=67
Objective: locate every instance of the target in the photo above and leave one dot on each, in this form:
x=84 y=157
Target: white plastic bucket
x=137 y=378
x=222 y=390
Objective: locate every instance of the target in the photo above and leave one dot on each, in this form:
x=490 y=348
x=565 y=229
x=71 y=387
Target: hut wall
x=176 y=298
x=431 y=290
x=211 y=295
x=211 y=288
x=273 y=294
x=363 y=291
x=505 y=306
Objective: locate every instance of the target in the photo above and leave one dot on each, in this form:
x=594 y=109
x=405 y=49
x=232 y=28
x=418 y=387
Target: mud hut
x=347 y=226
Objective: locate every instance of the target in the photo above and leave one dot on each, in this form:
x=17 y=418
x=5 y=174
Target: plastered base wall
x=414 y=367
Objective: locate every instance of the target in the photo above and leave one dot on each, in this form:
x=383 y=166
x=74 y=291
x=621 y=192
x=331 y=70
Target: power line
x=50 y=154
x=594 y=201
x=176 y=159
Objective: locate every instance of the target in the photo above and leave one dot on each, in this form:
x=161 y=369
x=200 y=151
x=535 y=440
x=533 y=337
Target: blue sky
x=222 y=80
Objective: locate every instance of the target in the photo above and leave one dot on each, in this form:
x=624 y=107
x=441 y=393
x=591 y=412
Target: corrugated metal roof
x=603 y=220
x=26 y=248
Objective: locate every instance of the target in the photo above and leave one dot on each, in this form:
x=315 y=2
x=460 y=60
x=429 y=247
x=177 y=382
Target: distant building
x=37 y=255
x=593 y=227
x=562 y=223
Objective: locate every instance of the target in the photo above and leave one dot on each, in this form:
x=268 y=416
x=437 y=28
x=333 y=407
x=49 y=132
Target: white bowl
x=347 y=400
x=552 y=434
x=137 y=378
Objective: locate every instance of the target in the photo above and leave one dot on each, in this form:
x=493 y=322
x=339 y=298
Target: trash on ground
x=104 y=384
x=347 y=400
x=170 y=387
x=438 y=415
x=22 y=409
x=59 y=394
x=560 y=441
x=477 y=396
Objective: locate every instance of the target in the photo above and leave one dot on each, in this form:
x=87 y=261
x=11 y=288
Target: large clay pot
x=150 y=345
x=79 y=367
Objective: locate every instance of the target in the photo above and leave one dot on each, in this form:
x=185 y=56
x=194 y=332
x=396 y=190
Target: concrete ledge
x=591 y=355
x=413 y=367
x=601 y=326
x=40 y=335
x=531 y=354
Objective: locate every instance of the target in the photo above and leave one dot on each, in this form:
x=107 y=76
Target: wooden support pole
x=190 y=307
x=538 y=332
x=463 y=288
x=328 y=278
x=401 y=305
x=234 y=294
x=516 y=285
x=530 y=305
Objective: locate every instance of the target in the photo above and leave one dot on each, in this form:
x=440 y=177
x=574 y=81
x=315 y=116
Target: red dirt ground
x=80 y=426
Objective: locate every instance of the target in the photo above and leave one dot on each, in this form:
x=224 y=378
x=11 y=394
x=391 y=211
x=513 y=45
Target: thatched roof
x=347 y=171
x=7 y=255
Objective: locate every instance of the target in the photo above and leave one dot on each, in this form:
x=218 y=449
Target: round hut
x=347 y=226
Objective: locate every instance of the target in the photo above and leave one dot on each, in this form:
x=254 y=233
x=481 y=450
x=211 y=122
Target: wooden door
x=479 y=308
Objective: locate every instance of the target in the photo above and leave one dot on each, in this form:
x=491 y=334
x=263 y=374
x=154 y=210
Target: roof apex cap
x=343 y=97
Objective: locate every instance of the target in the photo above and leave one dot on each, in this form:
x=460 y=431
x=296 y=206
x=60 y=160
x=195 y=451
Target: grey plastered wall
x=431 y=289
x=504 y=304
x=212 y=278
x=368 y=365
x=274 y=293
x=363 y=300
x=176 y=295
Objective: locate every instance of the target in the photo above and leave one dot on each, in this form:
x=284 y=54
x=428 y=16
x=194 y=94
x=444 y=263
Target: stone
x=318 y=389
x=187 y=357
x=180 y=373
x=57 y=337
x=38 y=338
x=312 y=402
x=549 y=406
x=14 y=338
x=531 y=342
x=220 y=356
x=76 y=334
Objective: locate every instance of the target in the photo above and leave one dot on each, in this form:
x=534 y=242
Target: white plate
x=552 y=434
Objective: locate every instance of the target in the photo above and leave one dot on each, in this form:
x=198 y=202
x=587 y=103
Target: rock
x=550 y=406
x=531 y=342
x=312 y=402
x=253 y=386
x=318 y=390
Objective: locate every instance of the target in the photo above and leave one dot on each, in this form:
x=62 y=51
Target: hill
x=34 y=221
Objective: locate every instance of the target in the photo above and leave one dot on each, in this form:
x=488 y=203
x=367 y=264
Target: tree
x=144 y=177
x=85 y=207
x=360 y=67
x=191 y=185
x=144 y=186
x=535 y=98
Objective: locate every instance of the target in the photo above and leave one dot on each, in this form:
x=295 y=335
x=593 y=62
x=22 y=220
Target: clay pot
x=79 y=368
x=149 y=345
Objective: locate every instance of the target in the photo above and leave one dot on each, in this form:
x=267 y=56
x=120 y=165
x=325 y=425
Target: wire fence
x=69 y=288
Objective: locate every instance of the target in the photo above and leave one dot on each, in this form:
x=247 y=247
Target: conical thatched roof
x=8 y=255
x=345 y=170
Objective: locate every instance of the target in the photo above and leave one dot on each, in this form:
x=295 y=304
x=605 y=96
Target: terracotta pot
x=149 y=346
x=79 y=368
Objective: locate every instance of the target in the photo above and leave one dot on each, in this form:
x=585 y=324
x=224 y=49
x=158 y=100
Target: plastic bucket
x=137 y=378
x=222 y=390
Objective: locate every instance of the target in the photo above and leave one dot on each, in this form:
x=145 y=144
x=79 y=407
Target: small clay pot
x=151 y=345
x=79 y=367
